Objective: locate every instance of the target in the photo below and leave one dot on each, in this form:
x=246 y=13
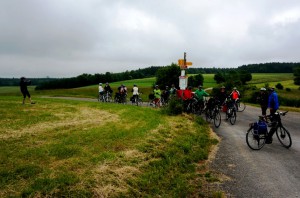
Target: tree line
x=89 y=79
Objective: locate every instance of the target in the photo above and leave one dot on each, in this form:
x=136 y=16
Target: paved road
x=273 y=171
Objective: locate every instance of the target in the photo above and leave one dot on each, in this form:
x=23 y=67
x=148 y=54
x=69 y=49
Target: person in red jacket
x=235 y=94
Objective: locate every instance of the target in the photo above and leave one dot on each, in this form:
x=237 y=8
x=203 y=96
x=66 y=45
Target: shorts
x=25 y=93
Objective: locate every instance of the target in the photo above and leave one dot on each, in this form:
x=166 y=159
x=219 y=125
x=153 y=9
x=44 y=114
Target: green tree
x=297 y=75
x=168 y=75
x=196 y=80
x=219 y=78
x=245 y=76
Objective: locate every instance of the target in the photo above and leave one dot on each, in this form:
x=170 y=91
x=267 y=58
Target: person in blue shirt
x=273 y=103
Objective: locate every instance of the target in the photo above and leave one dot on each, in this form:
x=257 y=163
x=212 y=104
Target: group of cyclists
x=160 y=97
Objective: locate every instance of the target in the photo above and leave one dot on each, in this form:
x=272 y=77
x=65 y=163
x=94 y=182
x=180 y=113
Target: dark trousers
x=264 y=110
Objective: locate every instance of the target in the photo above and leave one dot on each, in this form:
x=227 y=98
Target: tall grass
x=61 y=148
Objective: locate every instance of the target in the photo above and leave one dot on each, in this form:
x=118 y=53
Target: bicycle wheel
x=208 y=115
x=108 y=99
x=284 y=137
x=241 y=106
x=255 y=141
x=195 y=108
x=217 y=119
x=140 y=102
x=232 y=117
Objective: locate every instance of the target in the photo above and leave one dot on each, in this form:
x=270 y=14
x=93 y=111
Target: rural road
x=273 y=171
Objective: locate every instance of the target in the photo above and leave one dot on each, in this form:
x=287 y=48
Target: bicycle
x=231 y=111
x=107 y=97
x=120 y=98
x=212 y=112
x=136 y=99
x=240 y=106
x=256 y=138
x=152 y=102
x=101 y=97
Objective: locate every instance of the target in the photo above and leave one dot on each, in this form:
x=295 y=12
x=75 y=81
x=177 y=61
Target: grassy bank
x=63 y=148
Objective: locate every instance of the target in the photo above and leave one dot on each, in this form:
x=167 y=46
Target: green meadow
x=63 y=148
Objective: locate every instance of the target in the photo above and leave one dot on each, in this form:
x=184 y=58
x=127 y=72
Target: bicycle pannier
x=260 y=127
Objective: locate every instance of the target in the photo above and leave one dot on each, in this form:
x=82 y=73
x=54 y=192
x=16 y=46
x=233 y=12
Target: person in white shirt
x=135 y=92
x=101 y=90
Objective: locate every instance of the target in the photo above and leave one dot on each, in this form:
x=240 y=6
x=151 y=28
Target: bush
x=279 y=86
x=174 y=107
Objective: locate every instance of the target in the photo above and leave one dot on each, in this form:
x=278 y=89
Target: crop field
x=63 y=148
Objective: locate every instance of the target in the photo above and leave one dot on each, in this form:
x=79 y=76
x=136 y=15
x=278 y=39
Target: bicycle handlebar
x=283 y=113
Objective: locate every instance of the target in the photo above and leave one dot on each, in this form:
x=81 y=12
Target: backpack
x=260 y=127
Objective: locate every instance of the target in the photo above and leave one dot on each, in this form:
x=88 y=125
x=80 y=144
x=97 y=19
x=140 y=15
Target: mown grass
x=61 y=148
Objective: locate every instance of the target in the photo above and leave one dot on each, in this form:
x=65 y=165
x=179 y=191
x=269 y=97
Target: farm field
x=62 y=148
x=145 y=86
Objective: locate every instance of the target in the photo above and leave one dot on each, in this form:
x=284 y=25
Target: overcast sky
x=65 y=38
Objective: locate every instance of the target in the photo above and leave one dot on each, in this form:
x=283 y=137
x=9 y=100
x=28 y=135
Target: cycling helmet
x=200 y=86
x=263 y=89
x=100 y=83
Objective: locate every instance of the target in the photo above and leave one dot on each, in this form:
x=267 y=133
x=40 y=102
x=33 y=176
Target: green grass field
x=63 y=148
x=145 y=86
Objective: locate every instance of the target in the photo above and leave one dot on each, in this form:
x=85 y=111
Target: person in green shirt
x=200 y=94
x=157 y=95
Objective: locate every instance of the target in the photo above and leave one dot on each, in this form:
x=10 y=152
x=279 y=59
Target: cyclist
x=173 y=90
x=101 y=90
x=235 y=94
x=122 y=93
x=157 y=95
x=107 y=88
x=166 y=94
x=222 y=95
x=200 y=93
x=135 y=93
x=263 y=100
x=187 y=97
x=273 y=102
x=273 y=105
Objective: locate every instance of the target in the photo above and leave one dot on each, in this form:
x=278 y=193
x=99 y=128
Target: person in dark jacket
x=263 y=100
x=222 y=95
x=23 y=88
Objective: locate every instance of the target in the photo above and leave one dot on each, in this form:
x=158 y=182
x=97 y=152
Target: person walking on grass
x=23 y=88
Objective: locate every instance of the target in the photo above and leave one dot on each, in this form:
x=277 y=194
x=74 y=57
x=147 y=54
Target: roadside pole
x=183 y=78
